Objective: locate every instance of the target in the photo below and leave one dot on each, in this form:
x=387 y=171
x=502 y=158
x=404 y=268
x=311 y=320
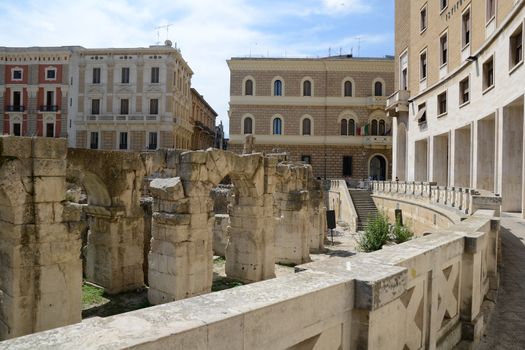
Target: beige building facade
x=458 y=109
x=132 y=99
x=328 y=112
x=203 y=120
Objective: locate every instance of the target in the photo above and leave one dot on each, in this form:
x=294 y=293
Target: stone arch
x=254 y=85
x=348 y=115
x=383 y=86
x=312 y=128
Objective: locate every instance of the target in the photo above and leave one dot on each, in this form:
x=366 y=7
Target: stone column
x=115 y=249
x=181 y=256
x=40 y=266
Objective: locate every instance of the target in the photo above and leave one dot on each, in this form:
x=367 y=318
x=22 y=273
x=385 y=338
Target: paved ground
x=506 y=329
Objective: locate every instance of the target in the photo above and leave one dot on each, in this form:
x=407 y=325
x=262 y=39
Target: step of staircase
x=364 y=206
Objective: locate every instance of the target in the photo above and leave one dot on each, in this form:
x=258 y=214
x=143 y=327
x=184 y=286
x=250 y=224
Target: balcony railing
x=398 y=101
x=122 y=118
x=16 y=108
x=49 y=108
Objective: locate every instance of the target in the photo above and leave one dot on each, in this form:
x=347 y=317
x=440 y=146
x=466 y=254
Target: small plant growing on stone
x=401 y=233
x=375 y=235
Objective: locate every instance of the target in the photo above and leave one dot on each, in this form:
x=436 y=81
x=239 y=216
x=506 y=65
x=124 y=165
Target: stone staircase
x=364 y=206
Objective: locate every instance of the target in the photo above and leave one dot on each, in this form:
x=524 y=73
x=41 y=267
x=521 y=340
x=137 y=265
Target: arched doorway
x=377 y=168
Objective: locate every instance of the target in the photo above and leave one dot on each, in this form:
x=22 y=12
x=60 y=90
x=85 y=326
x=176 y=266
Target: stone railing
x=339 y=199
x=398 y=100
x=426 y=293
x=464 y=200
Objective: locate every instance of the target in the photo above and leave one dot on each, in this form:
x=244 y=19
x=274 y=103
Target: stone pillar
x=316 y=224
x=40 y=266
x=115 y=249
x=250 y=254
x=181 y=256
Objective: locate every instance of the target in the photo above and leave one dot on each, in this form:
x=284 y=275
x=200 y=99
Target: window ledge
x=490 y=21
x=422 y=31
x=422 y=80
x=490 y=88
x=443 y=65
x=442 y=115
x=464 y=104
x=465 y=47
x=516 y=66
x=443 y=10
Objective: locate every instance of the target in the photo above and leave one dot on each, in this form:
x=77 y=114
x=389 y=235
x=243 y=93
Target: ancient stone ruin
x=274 y=212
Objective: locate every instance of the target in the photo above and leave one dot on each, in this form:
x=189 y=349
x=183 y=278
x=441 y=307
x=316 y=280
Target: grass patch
x=225 y=283
x=92 y=295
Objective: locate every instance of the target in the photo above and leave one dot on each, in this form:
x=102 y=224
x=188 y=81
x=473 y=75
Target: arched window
x=248 y=87
x=307 y=88
x=277 y=126
x=374 y=127
x=277 y=88
x=351 y=127
x=378 y=88
x=382 y=128
x=344 y=127
x=248 y=126
x=348 y=88
x=307 y=126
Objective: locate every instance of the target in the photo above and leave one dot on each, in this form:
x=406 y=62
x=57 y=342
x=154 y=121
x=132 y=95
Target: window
x=423 y=18
x=306 y=159
x=16 y=74
x=307 y=126
x=491 y=10
x=443 y=4
x=153 y=144
x=423 y=65
x=50 y=100
x=93 y=140
x=382 y=128
x=155 y=72
x=344 y=127
x=466 y=28
x=378 y=88
x=96 y=75
x=422 y=114
x=154 y=106
x=17 y=129
x=17 y=101
x=277 y=88
x=277 y=125
x=351 y=127
x=307 y=88
x=488 y=73
x=443 y=44
x=248 y=126
x=248 y=87
x=123 y=140
x=124 y=106
x=95 y=106
x=347 y=166
x=51 y=74
x=516 y=47
x=373 y=130
x=442 y=103
x=125 y=75
x=50 y=130
x=404 y=79
x=348 y=88
x=464 y=91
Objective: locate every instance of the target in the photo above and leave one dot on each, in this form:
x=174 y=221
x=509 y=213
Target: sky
x=208 y=32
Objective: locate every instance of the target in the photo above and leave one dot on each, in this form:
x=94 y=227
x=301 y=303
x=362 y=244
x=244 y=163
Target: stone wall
x=40 y=266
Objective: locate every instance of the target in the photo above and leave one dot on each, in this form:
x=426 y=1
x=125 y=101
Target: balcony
x=49 y=108
x=381 y=142
x=15 y=108
x=398 y=101
x=121 y=118
x=374 y=102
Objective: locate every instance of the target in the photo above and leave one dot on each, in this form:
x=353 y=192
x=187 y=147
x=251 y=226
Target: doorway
x=377 y=168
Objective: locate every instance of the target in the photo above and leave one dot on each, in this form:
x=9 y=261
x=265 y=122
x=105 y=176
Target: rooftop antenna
x=359 y=38
x=329 y=52
x=167 y=26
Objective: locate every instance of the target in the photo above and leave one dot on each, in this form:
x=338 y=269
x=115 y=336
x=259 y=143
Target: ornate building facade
x=328 y=112
x=458 y=112
x=203 y=121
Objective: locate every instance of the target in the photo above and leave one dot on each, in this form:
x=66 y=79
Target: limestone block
x=196 y=157
x=49 y=167
x=171 y=219
x=72 y=212
x=167 y=189
x=220 y=234
x=17 y=147
x=16 y=316
x=50 y=189
x=17 y=280
x=49 y=148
